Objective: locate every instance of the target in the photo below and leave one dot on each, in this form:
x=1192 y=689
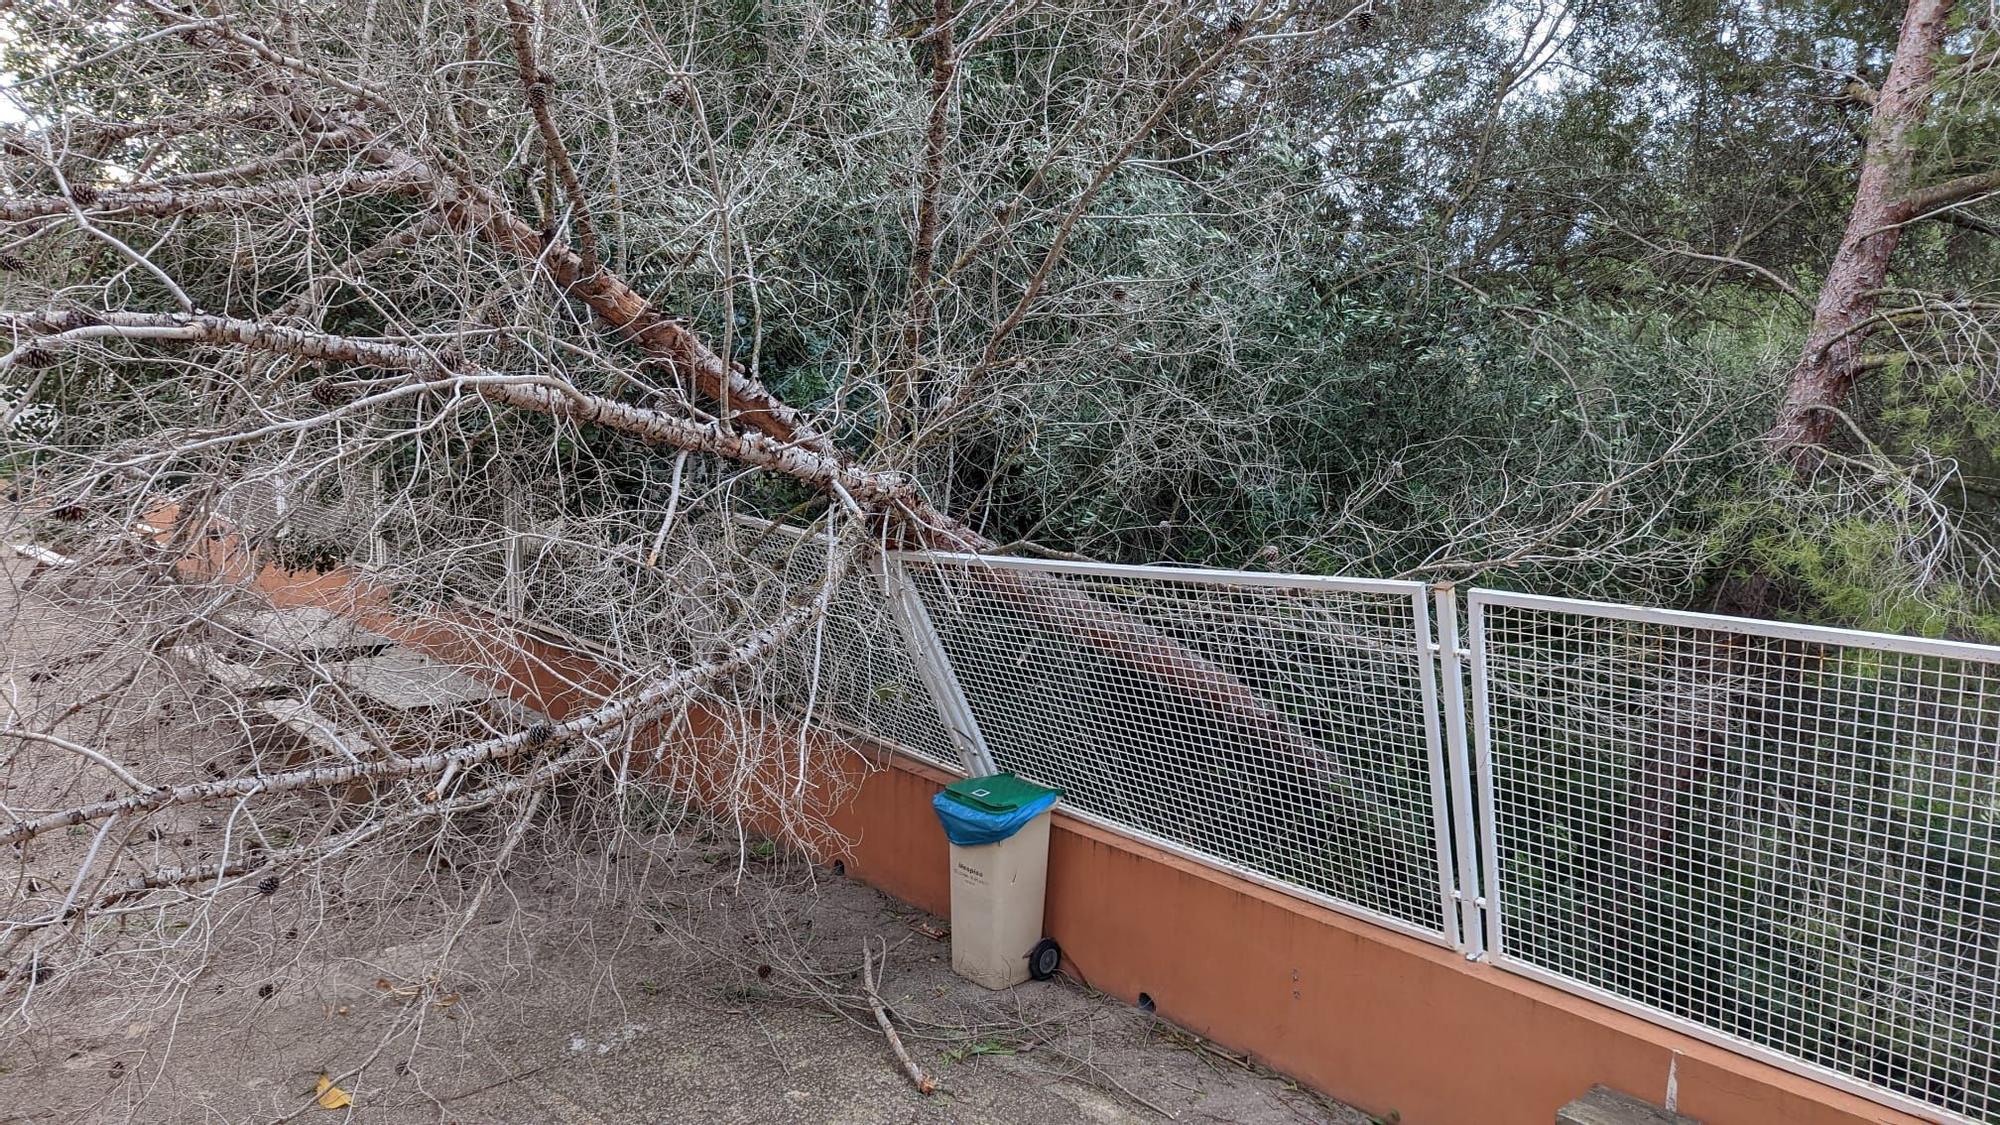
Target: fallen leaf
x=332 y=1096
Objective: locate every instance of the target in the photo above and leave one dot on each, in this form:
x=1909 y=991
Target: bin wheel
x=1044 y=959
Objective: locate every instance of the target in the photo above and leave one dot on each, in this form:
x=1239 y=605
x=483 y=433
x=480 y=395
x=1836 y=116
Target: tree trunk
x=1829 y=363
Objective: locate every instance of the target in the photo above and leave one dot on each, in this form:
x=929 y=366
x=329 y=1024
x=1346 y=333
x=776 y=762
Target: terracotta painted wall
x=1371 y=1017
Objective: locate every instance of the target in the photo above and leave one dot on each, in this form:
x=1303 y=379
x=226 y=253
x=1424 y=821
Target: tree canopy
x=1503 y=290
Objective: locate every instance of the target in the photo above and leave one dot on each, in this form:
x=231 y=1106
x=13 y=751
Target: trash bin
x=999 y=832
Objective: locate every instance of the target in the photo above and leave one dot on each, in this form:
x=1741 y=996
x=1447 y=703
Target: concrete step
x=307 y=632
x=300 y=721
x=1605 y=1106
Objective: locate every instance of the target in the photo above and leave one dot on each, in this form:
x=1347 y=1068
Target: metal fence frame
x=1453 y=667
x=934 y=666
x=1441 y=739
x=919 y=640
x=1495 y=900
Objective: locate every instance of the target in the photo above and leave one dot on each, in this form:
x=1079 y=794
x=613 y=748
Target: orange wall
x=1376 y=1019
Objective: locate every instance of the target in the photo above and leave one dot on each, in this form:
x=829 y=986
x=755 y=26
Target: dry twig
x=918 y=1078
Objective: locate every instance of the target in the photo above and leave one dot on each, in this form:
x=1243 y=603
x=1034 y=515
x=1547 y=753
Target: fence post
x=1482 y=751
x=1424 y=649
x=378 y=540
x=513 y=585
x=934 y=667
x=1451 y=668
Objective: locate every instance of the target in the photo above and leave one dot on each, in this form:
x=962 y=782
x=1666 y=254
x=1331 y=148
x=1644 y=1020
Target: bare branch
x=165 y=202
x=536 y=84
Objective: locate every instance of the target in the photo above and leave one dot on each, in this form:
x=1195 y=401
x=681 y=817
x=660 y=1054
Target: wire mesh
x=1785 y=835
x=853 y=673
x=319 y=520
x=1284 y=729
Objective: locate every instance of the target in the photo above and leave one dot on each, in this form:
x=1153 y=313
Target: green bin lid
x=996 y=793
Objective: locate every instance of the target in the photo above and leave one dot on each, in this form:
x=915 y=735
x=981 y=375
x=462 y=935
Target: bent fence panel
x=852 y=672
x=1282 y=727
x=1781 y=838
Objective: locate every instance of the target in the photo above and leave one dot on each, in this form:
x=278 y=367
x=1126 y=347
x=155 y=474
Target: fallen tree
x=318 y=325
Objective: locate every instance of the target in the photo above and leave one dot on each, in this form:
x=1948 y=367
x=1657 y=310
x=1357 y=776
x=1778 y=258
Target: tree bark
x=1829 y=364
x=942 y=66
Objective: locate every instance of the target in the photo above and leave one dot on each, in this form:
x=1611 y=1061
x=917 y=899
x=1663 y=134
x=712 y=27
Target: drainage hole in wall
x=1145 y=1001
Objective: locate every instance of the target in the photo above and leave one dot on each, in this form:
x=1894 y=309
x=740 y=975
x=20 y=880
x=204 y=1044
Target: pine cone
x=31 y=356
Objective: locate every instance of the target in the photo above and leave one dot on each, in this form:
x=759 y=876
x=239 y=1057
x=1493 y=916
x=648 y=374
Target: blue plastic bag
x=969 y=827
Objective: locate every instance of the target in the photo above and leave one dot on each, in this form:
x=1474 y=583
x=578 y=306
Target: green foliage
x=1516 y=317
x=1462 y=290
x=1855 y=571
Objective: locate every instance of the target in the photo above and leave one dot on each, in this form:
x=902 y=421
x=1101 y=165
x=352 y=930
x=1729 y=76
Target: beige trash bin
x=997 y=888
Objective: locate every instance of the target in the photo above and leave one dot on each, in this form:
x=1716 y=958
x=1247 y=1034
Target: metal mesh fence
x=854 y=673
x=1785 y=835
x=1782 y=838
x=1283 y=727
x=317 y=521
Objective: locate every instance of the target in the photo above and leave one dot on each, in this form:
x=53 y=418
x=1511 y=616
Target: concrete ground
x=661 y=973
x=625 y=1024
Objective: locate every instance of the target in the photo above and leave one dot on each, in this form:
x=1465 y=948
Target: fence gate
x=1782 y=839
